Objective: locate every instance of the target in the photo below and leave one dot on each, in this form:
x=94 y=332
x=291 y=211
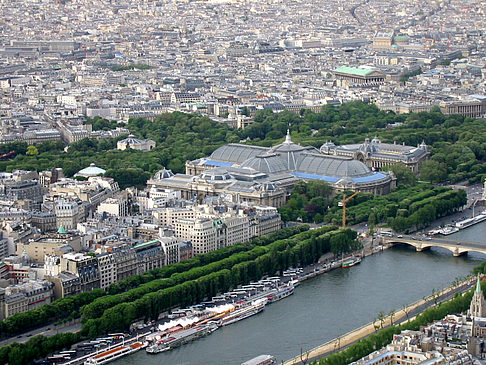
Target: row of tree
x=73 y=306
x=301 y=249
x=408 y=208
x=59 y=309
x=37 y=347
x=98 y=306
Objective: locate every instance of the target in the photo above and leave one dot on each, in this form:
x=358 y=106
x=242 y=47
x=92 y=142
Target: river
x=328 y=306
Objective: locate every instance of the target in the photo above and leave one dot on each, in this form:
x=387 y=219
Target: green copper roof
x=61 y=230
x=145 y=244
x=358 y=71
x=478 y=286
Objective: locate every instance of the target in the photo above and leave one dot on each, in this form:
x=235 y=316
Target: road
x=49 y=330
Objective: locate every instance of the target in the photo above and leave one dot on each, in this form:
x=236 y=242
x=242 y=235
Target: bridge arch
x=422 y=245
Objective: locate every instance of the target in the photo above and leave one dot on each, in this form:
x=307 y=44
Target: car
x=399 y=236
x=19 y=336
x=30 y=334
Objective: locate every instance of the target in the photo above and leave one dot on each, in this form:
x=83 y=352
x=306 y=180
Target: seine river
x=327 y=306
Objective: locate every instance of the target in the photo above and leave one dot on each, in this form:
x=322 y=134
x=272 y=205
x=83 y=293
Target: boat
x=447 y=230
x=244 y=312
x=114 y=353
x=181 y=337
x=295 y=282
x=261 y=360
x=281 y=293
x=157 y=348
x=471 y=221
x=350 y=262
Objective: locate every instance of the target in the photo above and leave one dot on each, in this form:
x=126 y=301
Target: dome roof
x=131 y=140
x=375 y=140
x=268 y=163
x=216 y=175
x=289 y=152
x=25 y=258
x=91 y=170
x=326 y=147
x=268 y=187
x=288 y=145
x=237 y=153
x=163 y=174
x=327 y=165
x=346 y=181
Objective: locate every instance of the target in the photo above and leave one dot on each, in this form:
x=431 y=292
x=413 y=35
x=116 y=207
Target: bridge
x=457 y=247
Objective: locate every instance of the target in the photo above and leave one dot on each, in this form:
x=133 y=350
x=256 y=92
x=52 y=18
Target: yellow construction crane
x=345 y=200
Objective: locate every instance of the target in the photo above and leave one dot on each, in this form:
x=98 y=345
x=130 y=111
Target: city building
x=135 y=144
x=90 y=171
x=24 y=297
x=150 y=255
x=358 y=75
x=278 y=167
x=377 y=155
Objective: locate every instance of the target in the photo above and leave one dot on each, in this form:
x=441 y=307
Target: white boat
x=181 y=337
x=245 y=312
x=281 y=293
x=261 y=360
x=471 y=221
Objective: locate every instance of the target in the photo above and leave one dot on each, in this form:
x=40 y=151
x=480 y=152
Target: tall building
x=477 y=307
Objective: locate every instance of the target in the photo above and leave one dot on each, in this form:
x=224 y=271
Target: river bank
x=407 y=313
x=342 y=341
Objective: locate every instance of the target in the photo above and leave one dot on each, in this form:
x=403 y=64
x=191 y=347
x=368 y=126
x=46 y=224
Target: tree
x=304 y=356
x=404 y=175
x=406 y=310
x=433 y=171
x=391 y=314
x=245 y=111
x=32 y=151
x=381 y=317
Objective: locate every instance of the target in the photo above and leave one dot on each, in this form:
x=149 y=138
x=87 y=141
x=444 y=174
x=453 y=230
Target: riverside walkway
x=400 y=316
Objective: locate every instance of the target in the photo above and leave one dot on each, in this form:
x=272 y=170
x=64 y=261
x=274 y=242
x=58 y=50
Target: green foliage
x=32 y=151
x=37 y=347
x=406 y=208
x=308 y=202
x=456 y=141
x=64 y=308
x=132 y=66
x=49 y=313
x=433 y=171
x=102 y=124
x=128 y=177
x=149 y=300
x=404 y=175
